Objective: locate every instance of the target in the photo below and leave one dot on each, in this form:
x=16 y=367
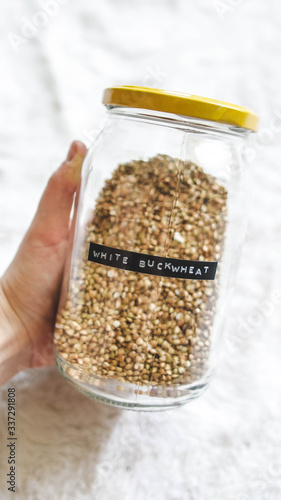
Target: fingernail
x=71 y=152
x=76 y=148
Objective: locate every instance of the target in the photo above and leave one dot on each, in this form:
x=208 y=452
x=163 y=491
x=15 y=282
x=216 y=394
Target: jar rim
x=181 y=104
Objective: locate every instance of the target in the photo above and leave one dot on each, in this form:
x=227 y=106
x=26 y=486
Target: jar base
x=138 y=398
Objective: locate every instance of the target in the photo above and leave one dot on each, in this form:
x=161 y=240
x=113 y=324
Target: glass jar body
x=152 y=256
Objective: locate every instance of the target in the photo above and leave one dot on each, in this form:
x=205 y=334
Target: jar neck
x=185 y=123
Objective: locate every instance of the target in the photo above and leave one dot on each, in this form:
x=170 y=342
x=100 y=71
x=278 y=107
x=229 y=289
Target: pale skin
x=29 y=289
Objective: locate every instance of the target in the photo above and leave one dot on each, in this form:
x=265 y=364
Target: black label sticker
x=152 y=264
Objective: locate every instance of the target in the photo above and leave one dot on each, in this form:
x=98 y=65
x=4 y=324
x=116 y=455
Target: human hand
x=29 y=289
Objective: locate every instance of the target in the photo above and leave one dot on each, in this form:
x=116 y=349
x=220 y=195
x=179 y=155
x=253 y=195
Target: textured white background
x=227 y=444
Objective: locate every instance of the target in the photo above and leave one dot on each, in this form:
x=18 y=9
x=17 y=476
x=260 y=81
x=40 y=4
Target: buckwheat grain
x=139 y=328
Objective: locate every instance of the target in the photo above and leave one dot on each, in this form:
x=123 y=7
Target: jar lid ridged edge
x=181 y=104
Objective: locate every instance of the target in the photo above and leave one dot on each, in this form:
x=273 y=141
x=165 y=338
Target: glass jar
x=154 y=248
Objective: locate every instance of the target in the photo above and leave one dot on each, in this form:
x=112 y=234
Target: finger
x=51 y=222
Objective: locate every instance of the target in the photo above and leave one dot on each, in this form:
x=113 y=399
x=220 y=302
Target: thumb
x=39 y=261
x=51 y=223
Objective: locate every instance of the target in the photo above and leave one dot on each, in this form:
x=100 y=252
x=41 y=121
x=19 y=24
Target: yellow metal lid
x=181 y=104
